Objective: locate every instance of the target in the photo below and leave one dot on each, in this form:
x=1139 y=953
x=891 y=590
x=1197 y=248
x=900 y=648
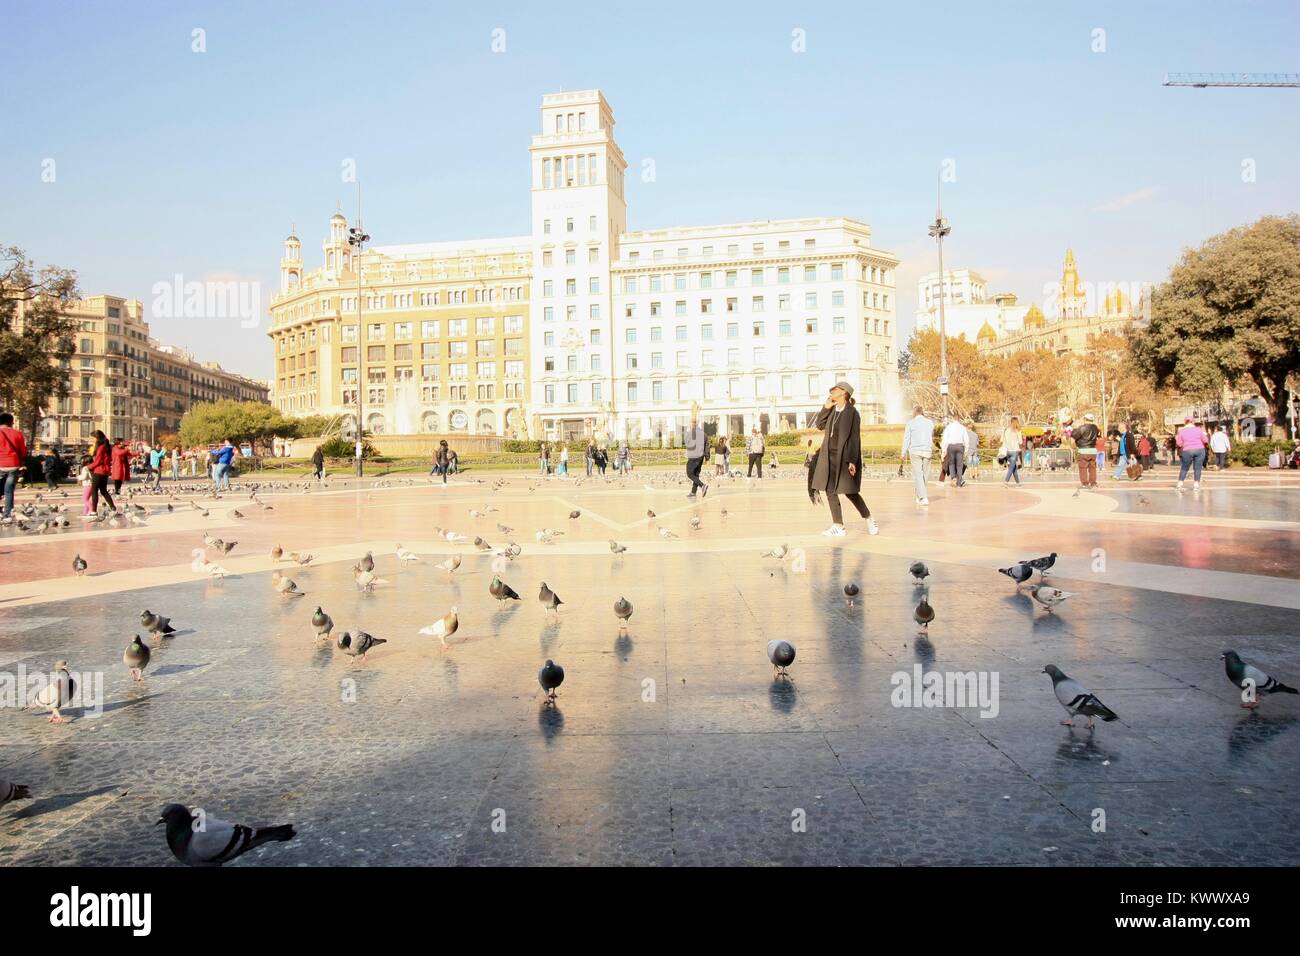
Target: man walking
x=918 y=445
x=697 y=446
x=756 y=449
x=953 y=442
x=221 y=467
x=13 y=458
x=1126 y=451
x=1220 y=445
x=1085 y=445
x=318 y=464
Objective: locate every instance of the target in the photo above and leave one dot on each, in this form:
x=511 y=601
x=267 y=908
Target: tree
x=314 y=426
x=1230 y=312
x=36 y=335
x=1026 y=384
x=254 y=422
x=968 y=373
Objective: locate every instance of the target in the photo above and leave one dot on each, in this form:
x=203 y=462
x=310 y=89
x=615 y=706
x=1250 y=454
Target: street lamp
x=357 y=237
x=938 y=229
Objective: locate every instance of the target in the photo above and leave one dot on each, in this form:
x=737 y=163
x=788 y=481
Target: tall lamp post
x=938 y=229
x=357 y=237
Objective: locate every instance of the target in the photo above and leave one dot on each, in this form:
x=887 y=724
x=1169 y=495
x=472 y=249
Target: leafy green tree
x=253 y=422
x=1230 y=312
x=37 y=338
x=313 y=426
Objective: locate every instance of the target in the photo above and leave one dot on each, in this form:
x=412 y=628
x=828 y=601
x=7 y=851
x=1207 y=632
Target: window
x=593 y=285
x=733 y=356
x=755 y=276
x=731 y=278
x=706 y=280
x=814 y=384
x=630 y=336
x=375 y=353
x=783 y=302
x=783 y=275
x=486 y=326
x=814 y=354
x=656 y=333
x=629 y=283
x=810 y=300
x=596 y=392
x=546 y=258
x=732 y=305
x=810 y=326
x=568 y=223
x=655 y=308
x=809 y=273
x=837 y=298
x=595 y=336
x=783 y=327
x=573 y=393
x=656 y=359
x=840 y=353
x=681 y=333
x=787 y=385
x=570 y=286
x=706 y=331
x=572 y=363
x=430 y=329
x=591 y=221
x=679 y=281
x=760 y=356
x=756 y=304
x=706 y=358
x=682 y=390
x=484 y=348
x=595 y=363
x=570 y=313
x=593 y=256
x=514 y=323
x=682 y=360
x=429 y=373
x=459 y=371
x=485 y=370
x=733 y=330
x=706 y=306
x=657 y=391
x=548 y=339
x=548 y=313
x=570 y=257
x=760 y=386
x=786 y=355
x=375 y=333
x=514 y=369
x=631 y=391
x=402 y=330
x=758 y=329
x=656 y=283
x=548 y=288
x=550 y=394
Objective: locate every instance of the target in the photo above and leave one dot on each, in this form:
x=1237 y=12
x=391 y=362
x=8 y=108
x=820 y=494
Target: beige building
x=123 y=383
x=440 y=343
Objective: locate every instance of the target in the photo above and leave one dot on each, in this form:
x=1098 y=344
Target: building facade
x=591 y=329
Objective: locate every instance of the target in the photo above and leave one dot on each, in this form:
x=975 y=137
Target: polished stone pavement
x=671 y=744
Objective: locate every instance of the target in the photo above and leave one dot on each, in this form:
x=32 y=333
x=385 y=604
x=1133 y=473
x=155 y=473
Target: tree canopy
x=33 y=352
x=210 y=422
x=1230 y=312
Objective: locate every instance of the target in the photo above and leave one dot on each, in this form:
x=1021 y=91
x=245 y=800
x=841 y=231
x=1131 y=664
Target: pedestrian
x=756 y=449
x=697 y=447
x=837 y=467
x=971 y=461
x=176 y=463
x=1125 y=451
x=720 y=456
x=563 y=469
x=87 y=480
x=1191 y=441
x=918 y=445
x=1145 y=447
x=1220 y=445
x=601 y=459
x=624 y=459
x=544 y=460
x=145 y=456
x=442 y=460
x=155 y=466
x=13 y=458
x=1009 y=453
x=1085 y=445
x=101 y=466
x=953 y=442
x=590 y=455
x=121 y=469
x=318 y=464
x=224 y=458
x=453 y=461
x=50 y=468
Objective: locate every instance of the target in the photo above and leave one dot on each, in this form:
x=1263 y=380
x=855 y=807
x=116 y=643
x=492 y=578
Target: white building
x=967 y=305
x=961 y=287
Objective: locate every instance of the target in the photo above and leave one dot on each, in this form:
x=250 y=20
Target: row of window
x=686 y=359
x=735 y=388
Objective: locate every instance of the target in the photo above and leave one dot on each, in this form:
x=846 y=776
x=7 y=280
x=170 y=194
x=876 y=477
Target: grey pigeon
x=1020 y=573
x=136 y=658
x=1077 y=699
x=156 y=623
x=550 y=600
x=228 y=546
x=851 y=592
x=367 y=563
x=322 y=623
x=1042 y=565
x=360 y=645
x=923 y=615
x=214 y=842
x=501 y=591
x=1239 y=672
x=575 y=514
x=781 y=654
x=13 y=791
x=623 y=608
x=551 y=676
x=79 y=565
x=919 y=571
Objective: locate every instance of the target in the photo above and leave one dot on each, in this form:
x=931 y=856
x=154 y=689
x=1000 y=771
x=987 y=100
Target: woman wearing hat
x=837 y=467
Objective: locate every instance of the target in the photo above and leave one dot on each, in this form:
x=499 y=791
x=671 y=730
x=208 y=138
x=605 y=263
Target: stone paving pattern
x=244 y=714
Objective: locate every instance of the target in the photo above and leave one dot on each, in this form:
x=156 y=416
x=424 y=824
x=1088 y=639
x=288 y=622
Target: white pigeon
x=287 y=587
x=779 y=552
x=450 y=565
x=405 y=555
x=1049 y=596
x=456 y=537
x=57 y=693
x=544 y=538
x=211 y=569
x=366 y=580
x=475 y=513
x=443 y=628
x=665 y=533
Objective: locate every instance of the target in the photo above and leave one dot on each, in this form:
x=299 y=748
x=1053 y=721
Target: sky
x=134 y=159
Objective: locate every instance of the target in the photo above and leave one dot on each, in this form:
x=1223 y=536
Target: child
x=87 y=485
x=50 y=468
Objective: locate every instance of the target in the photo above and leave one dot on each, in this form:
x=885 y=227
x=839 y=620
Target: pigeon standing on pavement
x=623 y=610
x=156 y=624
x=851 y=592
x=1042 y=565
x=779 y=552
x=501 y=591
x=551 y=676
x=1020 y=573
x=1048 y=596
x=1077 y=699
x=781 y=654
x=322 y=623
x=359 y=644
x=79 y=565
x=615 y=547
x=286 y=587
x=919 y=572
x=923 y=615
x=136 y=658
x=1241 y=674
x=367 y=563
x=57 y=693
x=450 y=565
x=549 y=599
x=214 y=842
x=444 y=627
x=405 y=555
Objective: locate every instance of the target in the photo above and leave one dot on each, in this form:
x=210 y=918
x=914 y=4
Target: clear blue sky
x=172 y=162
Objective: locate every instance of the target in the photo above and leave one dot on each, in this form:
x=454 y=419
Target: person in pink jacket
x=1192 y=445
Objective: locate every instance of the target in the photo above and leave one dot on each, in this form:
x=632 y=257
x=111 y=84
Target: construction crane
x=1202 y=80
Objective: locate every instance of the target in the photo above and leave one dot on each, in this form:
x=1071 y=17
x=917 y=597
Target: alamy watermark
x=959 y=689
x=178 y=299
x=21 y=688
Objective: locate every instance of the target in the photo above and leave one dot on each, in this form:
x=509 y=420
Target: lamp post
x=938 y=229
x=357 y=237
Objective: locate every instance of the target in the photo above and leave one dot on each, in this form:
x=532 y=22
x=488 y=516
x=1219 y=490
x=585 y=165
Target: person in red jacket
x=121 y=470
x=101 y=464
x=13 y=458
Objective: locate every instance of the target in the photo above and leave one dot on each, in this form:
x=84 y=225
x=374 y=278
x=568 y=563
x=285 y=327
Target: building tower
x=337 y=251
x=1074 y=300
x=579 y=211
x=291 y=264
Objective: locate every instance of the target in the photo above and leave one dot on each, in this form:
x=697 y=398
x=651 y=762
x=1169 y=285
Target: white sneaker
x=1196 y=486
x=834 y=531
x=925 y=501
x=872 y=527
x=1180 y=486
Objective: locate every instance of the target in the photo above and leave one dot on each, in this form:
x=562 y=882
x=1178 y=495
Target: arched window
x=429 y=422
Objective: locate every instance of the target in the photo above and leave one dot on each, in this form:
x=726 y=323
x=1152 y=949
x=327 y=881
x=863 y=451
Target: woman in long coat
x=121 y=469
x=837 y=468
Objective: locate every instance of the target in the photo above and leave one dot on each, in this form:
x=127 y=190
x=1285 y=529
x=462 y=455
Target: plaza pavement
x=671 y=744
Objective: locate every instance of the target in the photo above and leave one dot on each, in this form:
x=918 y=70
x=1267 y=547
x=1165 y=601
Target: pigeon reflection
x=1252 y=730
x=549 y=633
x=450 y=674
x=1082 y=749
x=623 y=643
x=781 y=695
x=924 y=650
x=550 y=720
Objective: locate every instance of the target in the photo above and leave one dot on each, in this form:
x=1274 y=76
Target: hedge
x=1255 y=453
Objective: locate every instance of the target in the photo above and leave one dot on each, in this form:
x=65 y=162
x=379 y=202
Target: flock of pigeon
x=219 y=842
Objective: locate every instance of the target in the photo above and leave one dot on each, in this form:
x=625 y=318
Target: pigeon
x=210 y=568
x=287 y=587
x=236 y=514
x=650 y=514
x=551 y=676
x=575 y=515
x=1048 y=596
x=277 y=553
x=1239 y=672
x=666 y=534
x=1020 y=573
x=79 y=565
x=444 y=627
x=366 y=580
x=358 y=645
x=450 y=565
x=1077 y=699
x=781 y=654
x=367 y=563
x=1042 y=565
x=923 y=615
x=919 y=571
x=504 y=529
x=544 y=538
x=510 y=551
x=623 y=608
x=723 y=512
x=156 y=624
x=322 y=623
x=615 y=547
x=57 y=693
x=550 y=600
x=850 y=592
x=228 y=546
x=301 y=557
x=695 y=522
x=482 y=545
x=136 y=658
x=405 y=555
x=214 y=842
x=502 y=591
x=779 y=552
x=13 y=791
